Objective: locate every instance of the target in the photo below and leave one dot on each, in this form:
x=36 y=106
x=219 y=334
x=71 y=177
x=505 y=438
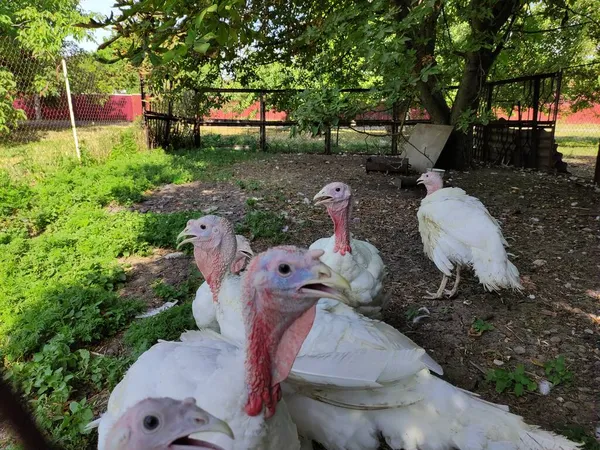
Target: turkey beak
x=421 y=180
x=322 y=198
x=207 y=423
x=189 y=230
x=327 y=284
x=203 y=423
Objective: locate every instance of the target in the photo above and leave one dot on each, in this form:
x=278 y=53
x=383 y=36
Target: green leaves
x=200 y=18
x=201 y=47
x=517 y=380
x=557 y=372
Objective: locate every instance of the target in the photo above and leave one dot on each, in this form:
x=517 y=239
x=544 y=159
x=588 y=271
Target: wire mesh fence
x=264 y=119
x=35 y=98
x=577 y=132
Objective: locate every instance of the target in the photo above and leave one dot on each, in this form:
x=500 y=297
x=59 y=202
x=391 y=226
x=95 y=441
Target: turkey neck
x=340 y=215
x=274 y=338
x=214 y=264
x=435 y=186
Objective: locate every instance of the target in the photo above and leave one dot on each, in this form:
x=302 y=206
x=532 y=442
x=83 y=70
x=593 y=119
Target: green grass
x=279 y=140
x=59 y=274
x=577 y=140
x=167 y=325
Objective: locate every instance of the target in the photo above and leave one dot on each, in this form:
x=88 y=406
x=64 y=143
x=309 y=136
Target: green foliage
x=263 y=224
x=171 y=293
x=161 y=230
x=167 y=325
x=515 y=380
x=579 y=434
x=8 y=115
x=56 y=374
x=411 y=313
x=59 y=276
x=321 y=108
x=480 y=326
x=250 y=185
x=404 y=51
x=557 y=372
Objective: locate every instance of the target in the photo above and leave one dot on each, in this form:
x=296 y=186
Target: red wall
x=90 y=107
x=86 y=107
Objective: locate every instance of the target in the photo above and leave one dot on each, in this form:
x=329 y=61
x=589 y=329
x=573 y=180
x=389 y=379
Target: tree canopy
x=402 y=48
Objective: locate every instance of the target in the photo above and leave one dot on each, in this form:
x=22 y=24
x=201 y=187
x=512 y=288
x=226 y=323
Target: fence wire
x=34 y=100
x=577 y=132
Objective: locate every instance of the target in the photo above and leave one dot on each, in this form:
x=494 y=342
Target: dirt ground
x=552 y=224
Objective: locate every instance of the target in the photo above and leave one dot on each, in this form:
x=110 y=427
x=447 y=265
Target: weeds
x=263 y=224
x=59 y=276
x=579 y=434
x=250 y=185
x=516 y=380
x=480 y=326
x=557 y=372
x=167 y=325
x=411 y=313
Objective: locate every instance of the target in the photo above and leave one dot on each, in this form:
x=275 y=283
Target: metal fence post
x=263 y=126
x=535 y=136
x=71 y=115
x=395 y=128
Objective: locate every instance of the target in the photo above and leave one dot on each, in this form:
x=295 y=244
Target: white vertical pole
x=64 y=66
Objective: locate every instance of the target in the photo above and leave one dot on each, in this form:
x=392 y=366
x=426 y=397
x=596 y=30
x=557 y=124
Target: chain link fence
x=40 y=95
x=578 y=123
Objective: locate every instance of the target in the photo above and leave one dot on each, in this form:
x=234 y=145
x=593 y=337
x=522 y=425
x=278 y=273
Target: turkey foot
x=439 y=292
x=452 y=292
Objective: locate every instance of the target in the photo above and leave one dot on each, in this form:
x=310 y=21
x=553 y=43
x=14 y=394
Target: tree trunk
x=477 y=68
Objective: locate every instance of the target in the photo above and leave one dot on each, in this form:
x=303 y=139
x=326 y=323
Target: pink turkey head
x=214 y=248
x=164 y=424
x=280 y=291
x=334 y=196
x=432 y=181
x=337 y=198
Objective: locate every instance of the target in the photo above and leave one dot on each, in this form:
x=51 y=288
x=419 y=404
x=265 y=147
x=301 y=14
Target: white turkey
x=242 y=387
x=457 y=230
x=165 y=424
x=337 y=327
x=357 y=261
x=355 y=379
x=203 y=308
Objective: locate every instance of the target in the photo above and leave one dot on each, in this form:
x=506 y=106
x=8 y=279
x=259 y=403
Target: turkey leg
x=451 y=293
x=440 y=291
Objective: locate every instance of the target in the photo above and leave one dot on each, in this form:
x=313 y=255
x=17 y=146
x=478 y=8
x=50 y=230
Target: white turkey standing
x=457 y=230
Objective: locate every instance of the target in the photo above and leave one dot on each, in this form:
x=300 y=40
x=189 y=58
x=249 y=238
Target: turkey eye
x=337 y=189
x=151 y=422
x=203 y=227
x=284 y=269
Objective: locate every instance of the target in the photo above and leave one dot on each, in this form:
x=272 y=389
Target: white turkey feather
x=419 y=413
x=457 y=229
x=203 y=309
x=363 y=268
x=211 y=370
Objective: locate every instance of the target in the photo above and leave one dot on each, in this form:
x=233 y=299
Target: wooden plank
x=387 y=164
